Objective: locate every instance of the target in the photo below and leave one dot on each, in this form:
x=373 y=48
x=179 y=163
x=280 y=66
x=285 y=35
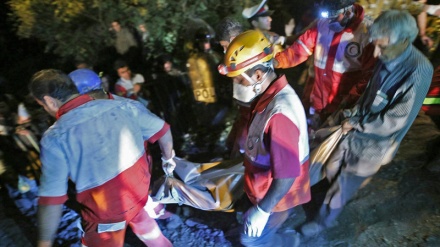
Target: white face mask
x=244 y=94
x=247 y=94
x=336 y=27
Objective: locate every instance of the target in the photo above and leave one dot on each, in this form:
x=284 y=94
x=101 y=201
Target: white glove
x=279 y=41
x=289 y=27
x=255 y=220
x=169 y=165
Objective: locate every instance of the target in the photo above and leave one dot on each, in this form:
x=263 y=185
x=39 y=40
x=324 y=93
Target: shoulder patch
x=353 y=49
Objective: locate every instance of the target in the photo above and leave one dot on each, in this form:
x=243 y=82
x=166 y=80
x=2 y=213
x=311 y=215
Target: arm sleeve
x=54 y=174
x=299 y=51
x=282 y=138
x=48 y=219
x=292 y=38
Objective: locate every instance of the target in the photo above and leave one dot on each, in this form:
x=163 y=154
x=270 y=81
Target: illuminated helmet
x=332 y=8
x=247 y=50
x=85 y=80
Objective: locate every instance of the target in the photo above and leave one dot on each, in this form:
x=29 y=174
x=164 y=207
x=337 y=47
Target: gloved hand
x=289 y=27
x=168 y=165
x=255 y=220
x=279 y=40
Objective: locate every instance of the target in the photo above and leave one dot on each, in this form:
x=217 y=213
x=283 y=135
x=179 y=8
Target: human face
x=142 y=28
x=263 y=23
x=386 y=51
x=116 y=26
x=339 y=18
x=224 y=44
x=340 y=21
x=167 y=66
x=243 y=89
x=49 y=104
x=124 y=73
x=206 y=46
x=241 y=80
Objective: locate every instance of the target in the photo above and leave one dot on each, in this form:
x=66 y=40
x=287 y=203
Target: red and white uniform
x=277 y=146
x=343 y=62
x=99 y=145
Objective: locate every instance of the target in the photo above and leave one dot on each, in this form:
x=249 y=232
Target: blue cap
x=85 y=80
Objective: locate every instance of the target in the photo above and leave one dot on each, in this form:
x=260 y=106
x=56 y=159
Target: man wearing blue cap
x=100 y=146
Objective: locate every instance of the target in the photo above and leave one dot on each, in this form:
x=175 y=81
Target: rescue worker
x=376 y=125
x=343 y=57
x=88 y=82
x=276 y=149
x=112 y=190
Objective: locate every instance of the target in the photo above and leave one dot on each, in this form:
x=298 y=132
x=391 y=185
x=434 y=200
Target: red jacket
x=343 y=62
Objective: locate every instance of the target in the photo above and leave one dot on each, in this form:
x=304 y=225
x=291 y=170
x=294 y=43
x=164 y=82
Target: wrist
x=262 y=211
x=168 y=160
x=283 y=40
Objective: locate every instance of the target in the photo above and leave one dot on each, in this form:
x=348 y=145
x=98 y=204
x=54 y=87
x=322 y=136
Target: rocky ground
x=399 y=207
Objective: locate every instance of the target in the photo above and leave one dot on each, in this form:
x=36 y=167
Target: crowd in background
x=197 y=101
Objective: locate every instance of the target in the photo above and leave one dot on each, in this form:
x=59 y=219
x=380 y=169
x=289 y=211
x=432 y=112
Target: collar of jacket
x=270 y=93
x=391 y=65
x=73 y=103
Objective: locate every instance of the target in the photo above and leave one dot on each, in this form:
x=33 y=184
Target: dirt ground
x=399 y=207
x=401 y=204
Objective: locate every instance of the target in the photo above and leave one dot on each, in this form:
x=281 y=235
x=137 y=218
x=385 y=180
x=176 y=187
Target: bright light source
x=324 y=14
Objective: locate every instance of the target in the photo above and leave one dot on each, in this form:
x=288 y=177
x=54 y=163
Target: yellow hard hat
x=247 y=50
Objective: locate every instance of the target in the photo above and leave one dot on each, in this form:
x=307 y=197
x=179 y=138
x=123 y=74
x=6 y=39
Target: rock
x=194 y=222
x=173 y=222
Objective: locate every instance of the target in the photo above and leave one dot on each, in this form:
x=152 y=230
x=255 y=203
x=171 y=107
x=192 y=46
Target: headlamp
x=223 y=69
x=332 y=14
